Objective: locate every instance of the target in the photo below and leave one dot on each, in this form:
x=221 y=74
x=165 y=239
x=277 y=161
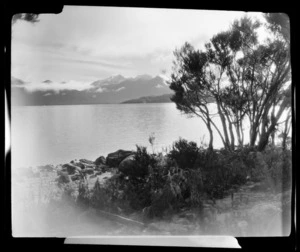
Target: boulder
x=100 y=161
x=115 y=158
x=86 y=161
x=63 y=178
x=70 y=168
x=102 y=168
x=88 y=171
x=127 y=164
x=90 y=166
x=76 y=177
x=79 y=164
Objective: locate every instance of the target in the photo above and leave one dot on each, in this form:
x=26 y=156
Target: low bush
x=184 y=153
x=100 y=198
x=274 y=167
x=137 y=186
x=83 y=198
x=161 y=184
x=143 y=160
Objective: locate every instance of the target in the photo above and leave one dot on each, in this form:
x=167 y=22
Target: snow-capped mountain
x=115 y=89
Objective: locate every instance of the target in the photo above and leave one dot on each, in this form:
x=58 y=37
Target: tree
x=265 y=72
x=279 y=24
x=244 y=77
x=189 y=82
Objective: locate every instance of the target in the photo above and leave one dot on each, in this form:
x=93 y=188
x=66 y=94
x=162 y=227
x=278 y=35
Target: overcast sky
x=85 y=44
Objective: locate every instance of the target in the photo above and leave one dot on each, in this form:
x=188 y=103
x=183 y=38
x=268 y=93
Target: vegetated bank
x=189 y=190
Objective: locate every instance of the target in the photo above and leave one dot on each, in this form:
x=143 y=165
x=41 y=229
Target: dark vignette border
x=55 y=7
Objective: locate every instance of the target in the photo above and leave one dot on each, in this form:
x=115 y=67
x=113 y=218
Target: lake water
x=58 y=134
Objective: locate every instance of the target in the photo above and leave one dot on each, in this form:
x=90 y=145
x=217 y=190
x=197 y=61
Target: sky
x=84 y=44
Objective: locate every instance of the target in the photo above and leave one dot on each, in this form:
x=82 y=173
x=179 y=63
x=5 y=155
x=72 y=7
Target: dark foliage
x=184 y=153
x=142 y=164
x=159 y=186
x=83 y=197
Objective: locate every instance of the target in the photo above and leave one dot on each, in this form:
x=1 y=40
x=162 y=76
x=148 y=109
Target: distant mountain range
x=115 y=89
x=151 y=99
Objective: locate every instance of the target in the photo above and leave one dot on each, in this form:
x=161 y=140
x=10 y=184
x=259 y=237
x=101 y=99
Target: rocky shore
x=248 y=209
x=75 y=170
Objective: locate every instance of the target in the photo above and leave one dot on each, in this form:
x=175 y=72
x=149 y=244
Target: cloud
x=47 y=81
x=57 y=86
x=97 y=62
x=101 y=90
x=119 y=89
x=86 y=42
x=17 y=82
x=47 y=94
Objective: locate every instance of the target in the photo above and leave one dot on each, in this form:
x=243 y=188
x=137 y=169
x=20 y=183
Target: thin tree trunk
x=238 y=133
x=211 y=139
x=232 y=136
x=266 y=133
x=253 y=134
x=219 y=132
x=227 y=143
x=285 y=132
x=242 y=133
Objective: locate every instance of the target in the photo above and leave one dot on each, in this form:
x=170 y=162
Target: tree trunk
x=242 y=133
x=227 y=143
x=240 y=130
x=285 y=132
x=219 y=132
x=266 y=133
x=211 y=136
x=238 y=133
x=232 y=144
x=253 y=133
x=273 y=138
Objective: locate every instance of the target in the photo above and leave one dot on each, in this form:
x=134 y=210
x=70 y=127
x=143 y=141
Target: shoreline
x=87 y=187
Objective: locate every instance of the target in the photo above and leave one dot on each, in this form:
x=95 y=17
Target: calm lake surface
x=58 y=134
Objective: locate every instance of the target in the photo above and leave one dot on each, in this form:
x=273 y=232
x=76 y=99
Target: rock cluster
x=77 y=169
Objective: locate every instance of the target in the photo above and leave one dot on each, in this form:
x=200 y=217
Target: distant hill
x=151 y=99
x=115 y=89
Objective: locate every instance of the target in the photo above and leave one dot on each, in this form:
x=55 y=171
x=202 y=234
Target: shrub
x=195 y=187
x=138 y=194
x=137 y=187
x=223 y=170
x=140 y=167
x=274 y=166
x=130 y=189
x=100 y=197
x=184 y=153
x=83 y=198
